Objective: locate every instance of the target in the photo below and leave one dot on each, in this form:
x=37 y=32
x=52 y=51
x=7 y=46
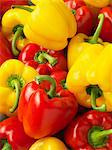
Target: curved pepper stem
x=52 y=92
x=42 y=56
x=7 y=146
x=94 y=93
x=22 y=7
x=16 y=86
x=94 y=39
x=17 y=34
x=97 y=136
x=15 y=82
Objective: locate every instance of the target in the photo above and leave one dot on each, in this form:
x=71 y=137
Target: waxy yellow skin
x=12 y=18
x=92 y=67
x=7 y=94
x=98 y=3
x=48 y=143
x=77 y=45
x=50 y=23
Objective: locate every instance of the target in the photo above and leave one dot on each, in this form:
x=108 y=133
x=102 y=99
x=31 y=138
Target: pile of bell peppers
x=55 y=75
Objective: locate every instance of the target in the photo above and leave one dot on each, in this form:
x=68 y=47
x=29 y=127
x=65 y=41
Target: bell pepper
x=80 y=42
x=6 y=4
x=106 y=33
x=13 y=28
x=90 y=76
x=35 y=108
x=53 y=25
x=43 y=60
x=48 y=143
x=90 y=131
x=83 y=15
x=5 y=52
x=14 y=75
x=60 y=77
x=13 y=136
x=98 y=3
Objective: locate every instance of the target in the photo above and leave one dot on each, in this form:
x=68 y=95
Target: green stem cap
x=7 y=146
x=17 y=34
x=94 y=39
x=52 y=92
x=98 y=137
x=22 y=7
x=42 y=56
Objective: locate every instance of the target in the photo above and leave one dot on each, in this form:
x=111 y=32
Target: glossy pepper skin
x=94 y=77
x=11 y=129
x=60 y=78
x=52 y=32
x=90 y=131
x=12 y=23
x=106 y=33
x=6 y=4
x=43 y=60
x=5 y=52
x=48 y=143
x=80 y=42
x=14 y=75
x=35 y=108
x=83 y=15
x=99 y=4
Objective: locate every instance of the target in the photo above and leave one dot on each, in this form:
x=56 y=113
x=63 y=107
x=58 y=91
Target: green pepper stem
x=7 y=146
x=52 y=92
x=16 y=85
x=41 y=56
x=94 y=93
x=73 y=12
x=94 y=39
x=17 y=34
x=63 y=83
x=97 y=137
x=22 y=7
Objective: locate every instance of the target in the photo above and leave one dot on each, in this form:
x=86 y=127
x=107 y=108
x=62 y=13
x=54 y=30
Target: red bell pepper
x=106 y=33
x=43 y=60
x=60 y=77
x=6 y=4
x=83 y=16
x=90 y=131
x=5 y=52
x=45 y=112
x=11 y=130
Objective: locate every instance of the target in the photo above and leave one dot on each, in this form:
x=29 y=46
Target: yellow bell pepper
x=48 y=143
x=98 y=3
x=79 y=42
x=50 y=23
x=12 y=22
x=14 y=75
x=89 y=78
